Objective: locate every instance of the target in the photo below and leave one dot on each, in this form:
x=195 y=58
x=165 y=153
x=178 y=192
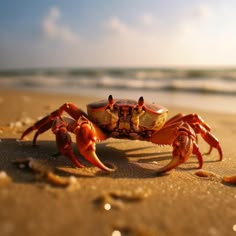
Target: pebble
x=16 y=124
x=116 y=233
x=20 y=123
x=229 y=179
x=107 y=206
x=3 y=175
x=4 y=178
x=27 y=121
x=208 y=174
x=131 y=230
x=211 y=175
x=205 y=173
x=234 y=228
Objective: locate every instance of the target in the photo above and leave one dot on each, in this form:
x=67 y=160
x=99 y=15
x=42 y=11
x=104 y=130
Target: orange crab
x=125 y=119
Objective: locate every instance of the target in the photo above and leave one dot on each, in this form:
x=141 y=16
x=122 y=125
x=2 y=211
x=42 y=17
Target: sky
x=124 y=33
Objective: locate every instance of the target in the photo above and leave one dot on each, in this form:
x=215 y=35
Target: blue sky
x=86 y=33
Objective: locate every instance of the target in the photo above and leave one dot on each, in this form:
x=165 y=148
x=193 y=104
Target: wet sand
x=130 y=201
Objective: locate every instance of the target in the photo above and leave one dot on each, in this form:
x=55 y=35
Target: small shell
x=22 y=162
x=16 y=124
x=207 y=174
x=130 y=196
x=230 y=179
x=35 y=165
x=38 y=166
x=117 y=199
x=44 y=172
x=57 y=180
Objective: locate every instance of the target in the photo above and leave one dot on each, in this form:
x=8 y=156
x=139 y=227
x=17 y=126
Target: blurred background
x=173 y=52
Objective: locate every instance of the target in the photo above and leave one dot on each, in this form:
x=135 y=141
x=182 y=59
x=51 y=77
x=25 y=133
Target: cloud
x=193 y=38
x=147 y=19
x=124 y=43
x=117 y=26
x=53 y=30
x=200 y=18
x=201 y=11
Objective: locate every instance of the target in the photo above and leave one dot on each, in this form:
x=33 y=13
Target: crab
x=125 y=119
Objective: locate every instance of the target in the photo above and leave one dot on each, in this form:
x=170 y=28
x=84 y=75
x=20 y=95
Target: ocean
x=207 y=89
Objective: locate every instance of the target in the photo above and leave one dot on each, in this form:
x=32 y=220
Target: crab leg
x=198 y=154
x=41 y=126
x=191 y=119
x=41 y=130
x=200 y=127
x=46 y=123
x=174 y=119
x=87 y=135
x=210 y=139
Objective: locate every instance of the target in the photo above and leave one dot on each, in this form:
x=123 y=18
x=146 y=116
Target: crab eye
x=110 y=100
x=139 y=107
x=141 y=101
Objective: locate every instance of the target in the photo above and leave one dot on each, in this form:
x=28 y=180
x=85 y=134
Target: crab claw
x=64 y=141
x=86 y=137
x=171 y=165
x=182 y=148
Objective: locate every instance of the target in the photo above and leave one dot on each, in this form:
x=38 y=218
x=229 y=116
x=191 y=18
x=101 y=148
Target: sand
x=130 y=201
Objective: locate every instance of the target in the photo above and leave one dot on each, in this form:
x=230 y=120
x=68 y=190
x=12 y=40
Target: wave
x=198 y=81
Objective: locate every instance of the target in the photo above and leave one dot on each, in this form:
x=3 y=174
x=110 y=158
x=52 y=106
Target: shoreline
x=178 y=203
x=192 y=102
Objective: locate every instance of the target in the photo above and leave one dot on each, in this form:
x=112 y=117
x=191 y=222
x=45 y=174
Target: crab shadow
x=137 y=162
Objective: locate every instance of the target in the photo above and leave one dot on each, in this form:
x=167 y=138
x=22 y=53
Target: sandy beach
x=133 y=200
